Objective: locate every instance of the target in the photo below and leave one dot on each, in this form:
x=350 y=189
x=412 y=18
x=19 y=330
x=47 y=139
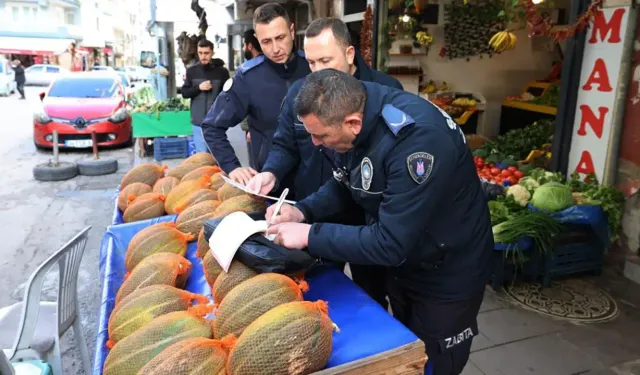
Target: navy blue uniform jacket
x=293 y=149
x=256 y=92
x=427 y=216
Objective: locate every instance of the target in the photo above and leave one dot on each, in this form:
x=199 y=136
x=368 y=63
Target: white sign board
x=597 y=92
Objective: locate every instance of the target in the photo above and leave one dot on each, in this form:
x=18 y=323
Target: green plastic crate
x=162 y=124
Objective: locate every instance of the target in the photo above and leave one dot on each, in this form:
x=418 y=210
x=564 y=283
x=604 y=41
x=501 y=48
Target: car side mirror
x=42 y=95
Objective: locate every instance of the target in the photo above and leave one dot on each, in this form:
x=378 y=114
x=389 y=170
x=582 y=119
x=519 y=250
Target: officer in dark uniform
x=407 y=164
x=256 y=91
x=327 y=45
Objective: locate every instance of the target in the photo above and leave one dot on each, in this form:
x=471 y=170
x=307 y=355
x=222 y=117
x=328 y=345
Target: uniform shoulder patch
x=227 y=84
x=420 y=165
x=250 y=64
x=395 y=118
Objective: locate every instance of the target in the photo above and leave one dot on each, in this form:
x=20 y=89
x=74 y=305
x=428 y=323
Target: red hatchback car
x=78 y=104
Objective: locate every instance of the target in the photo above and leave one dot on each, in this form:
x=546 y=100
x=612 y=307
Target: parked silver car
x=43 y=74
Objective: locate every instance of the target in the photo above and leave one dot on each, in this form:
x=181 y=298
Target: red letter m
x=601 y=26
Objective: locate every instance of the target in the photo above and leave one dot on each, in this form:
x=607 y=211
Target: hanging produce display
x=366 y=36
x=468 y=28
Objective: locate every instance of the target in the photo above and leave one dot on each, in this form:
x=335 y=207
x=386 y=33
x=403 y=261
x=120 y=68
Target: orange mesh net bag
x=134 y=189
x=196 y=197
x=201 y=158
x=146 y=206
x=145 y=304
x=158 y=238
x=177 y=196
x=252 y=298
x=147 y=173
x=293 y=338
x=135 y=351
x=156 y=269
x=210 y=266
x=191 y=357
x=192 y=218
x=165 y=185
x=226 y=281
x=202 y=171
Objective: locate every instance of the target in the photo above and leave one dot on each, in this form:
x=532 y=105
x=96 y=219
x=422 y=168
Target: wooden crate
x=408 y=359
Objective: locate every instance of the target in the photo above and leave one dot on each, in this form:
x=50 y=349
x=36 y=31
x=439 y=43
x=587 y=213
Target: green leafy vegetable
x=537 y=225
x=552 y=197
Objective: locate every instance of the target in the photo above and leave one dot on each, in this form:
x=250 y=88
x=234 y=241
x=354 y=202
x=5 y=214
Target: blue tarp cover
x=365 y=328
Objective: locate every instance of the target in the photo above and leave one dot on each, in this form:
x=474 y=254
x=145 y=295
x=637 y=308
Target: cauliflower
x=520 y=194
x=529 y=183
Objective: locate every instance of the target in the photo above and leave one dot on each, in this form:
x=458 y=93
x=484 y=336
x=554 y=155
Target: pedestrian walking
x=19 y=77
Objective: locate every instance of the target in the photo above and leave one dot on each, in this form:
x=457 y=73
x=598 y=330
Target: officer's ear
x=292 y=30
x=353 y=123
x=351 y=54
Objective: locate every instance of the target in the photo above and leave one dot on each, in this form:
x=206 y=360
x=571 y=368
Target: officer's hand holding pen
x=287 y=214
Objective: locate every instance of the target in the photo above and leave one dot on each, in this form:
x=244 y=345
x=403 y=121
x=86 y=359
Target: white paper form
x=230 y=233
x=249 y=191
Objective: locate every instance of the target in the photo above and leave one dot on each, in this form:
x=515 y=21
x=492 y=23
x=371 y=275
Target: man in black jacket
x=19 y=77
x=327 y=44
x=202 y=84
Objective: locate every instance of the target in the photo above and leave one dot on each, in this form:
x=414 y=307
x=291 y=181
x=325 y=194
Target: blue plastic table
x=366 y=329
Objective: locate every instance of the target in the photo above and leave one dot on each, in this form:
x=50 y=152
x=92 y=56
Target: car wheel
x=99 y=167
x=52 y=172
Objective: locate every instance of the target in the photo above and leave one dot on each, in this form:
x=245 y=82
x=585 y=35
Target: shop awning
x=33 y=46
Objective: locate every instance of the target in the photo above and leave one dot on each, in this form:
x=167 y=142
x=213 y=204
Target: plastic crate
x=170 y=148
x=576 y=250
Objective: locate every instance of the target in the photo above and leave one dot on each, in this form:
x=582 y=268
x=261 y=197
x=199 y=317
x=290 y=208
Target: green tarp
x=164 y=124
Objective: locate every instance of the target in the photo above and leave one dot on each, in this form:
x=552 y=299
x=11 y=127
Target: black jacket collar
x=376 y=96
x=363 y=72
x=286 y=70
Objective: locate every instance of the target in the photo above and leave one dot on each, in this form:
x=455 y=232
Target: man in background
x=19 y=77
x=202 y=84
x=251 y=48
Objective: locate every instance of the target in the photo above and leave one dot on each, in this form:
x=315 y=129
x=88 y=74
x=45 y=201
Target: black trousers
x=20 y=87
x=446 y=327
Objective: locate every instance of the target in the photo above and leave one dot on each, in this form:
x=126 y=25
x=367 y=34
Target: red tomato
x=481 y=160
x=513 y=180
x=518 y=174
x=495 y=171
x=512 y=169
x=498 y=180
x=506 y=173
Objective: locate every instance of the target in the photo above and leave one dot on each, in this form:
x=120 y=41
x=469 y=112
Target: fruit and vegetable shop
x=536 y=89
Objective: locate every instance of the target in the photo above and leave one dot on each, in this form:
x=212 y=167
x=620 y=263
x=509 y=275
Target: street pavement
x=36 y=218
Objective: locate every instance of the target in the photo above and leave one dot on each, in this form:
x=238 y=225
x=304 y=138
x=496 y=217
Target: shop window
x=15 y=14
x=354 y=31
x=354 y=6
x=70 y=17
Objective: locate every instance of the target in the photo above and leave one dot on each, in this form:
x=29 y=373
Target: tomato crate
x=170 y=148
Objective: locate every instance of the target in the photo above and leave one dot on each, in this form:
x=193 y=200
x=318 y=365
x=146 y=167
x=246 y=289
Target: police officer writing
x=256 y=91
x=407 y=164
x=327 y=44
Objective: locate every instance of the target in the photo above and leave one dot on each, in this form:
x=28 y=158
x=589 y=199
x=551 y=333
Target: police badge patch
x=420 y=165
x=366 y=170
x=227 y=85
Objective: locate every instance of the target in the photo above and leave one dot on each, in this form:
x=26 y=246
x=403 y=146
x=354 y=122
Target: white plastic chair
x=5 y=365
x=37 y=330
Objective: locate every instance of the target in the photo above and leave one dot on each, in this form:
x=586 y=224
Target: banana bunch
x=424 y=38
x=503 y=41
x=464 y=102
x=430 y=88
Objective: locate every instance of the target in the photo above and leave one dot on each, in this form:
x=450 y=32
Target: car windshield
x=84 y=88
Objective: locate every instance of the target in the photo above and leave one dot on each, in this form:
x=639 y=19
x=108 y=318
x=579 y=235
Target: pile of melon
x=194 y=190
x=261 y=323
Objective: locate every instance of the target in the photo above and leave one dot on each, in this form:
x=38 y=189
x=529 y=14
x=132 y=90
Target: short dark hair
x=205 y=43
x=268 y=12
x=338 y=28
x=331 y=95
x=249 y=37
